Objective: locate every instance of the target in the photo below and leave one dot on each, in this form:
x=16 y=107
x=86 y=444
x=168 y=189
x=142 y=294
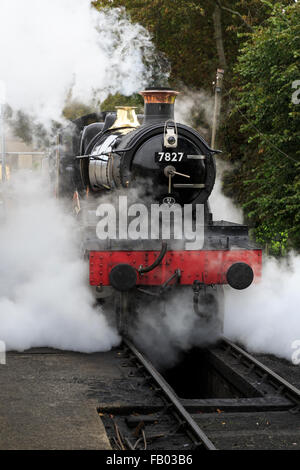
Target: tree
x=183 y=30
x=267 y=179
x=188 y=32
x=112 y=101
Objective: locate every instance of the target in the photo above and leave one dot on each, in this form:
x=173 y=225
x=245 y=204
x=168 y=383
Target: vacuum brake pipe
x=158 y=260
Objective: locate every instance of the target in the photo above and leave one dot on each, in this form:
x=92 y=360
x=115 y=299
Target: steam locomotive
x=154 y=160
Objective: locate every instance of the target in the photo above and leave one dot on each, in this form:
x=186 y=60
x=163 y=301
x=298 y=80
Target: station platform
x=49 y=399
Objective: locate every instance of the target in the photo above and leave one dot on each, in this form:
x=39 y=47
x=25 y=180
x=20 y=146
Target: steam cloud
x=265 y=317
x=163 y=331
x=48 y=48
x=44 y=295
x=222 y=206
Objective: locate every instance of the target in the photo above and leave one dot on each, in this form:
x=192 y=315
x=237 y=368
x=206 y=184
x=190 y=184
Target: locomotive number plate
x=163 y=157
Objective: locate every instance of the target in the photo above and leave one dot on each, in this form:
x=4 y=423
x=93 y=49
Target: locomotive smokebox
x=159 y=104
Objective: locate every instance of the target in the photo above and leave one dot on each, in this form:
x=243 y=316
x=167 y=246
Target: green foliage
x=117 y=99
x=75 y=109
x=268 y=174
x=275 y=242
x=21 y=125
x=26 y=127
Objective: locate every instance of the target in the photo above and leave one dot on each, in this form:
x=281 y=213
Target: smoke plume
x=50 y=48
x=44 y=295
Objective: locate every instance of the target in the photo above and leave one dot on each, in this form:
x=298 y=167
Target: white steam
x=266 y=317
x=222 y=206
x=44 y=295
x=49 y=47
x=166 y=327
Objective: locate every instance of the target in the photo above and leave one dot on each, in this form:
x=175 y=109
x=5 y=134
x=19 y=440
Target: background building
x=20 y=155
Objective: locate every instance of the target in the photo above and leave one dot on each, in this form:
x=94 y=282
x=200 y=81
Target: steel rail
x=285 y=386
x=166 y=389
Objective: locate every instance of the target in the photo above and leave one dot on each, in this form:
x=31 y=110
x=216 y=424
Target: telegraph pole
x=217 y=109
x=2 y=130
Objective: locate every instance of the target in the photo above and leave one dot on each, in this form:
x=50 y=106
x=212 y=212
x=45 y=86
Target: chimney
x=159 y=104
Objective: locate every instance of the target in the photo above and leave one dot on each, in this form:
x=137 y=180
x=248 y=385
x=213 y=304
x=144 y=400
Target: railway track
x=239 y=404
x=264 y=375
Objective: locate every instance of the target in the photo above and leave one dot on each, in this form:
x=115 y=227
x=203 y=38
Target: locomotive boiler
x=153 y=161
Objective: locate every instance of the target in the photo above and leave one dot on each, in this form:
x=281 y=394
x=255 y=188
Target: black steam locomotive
x=154 y=160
